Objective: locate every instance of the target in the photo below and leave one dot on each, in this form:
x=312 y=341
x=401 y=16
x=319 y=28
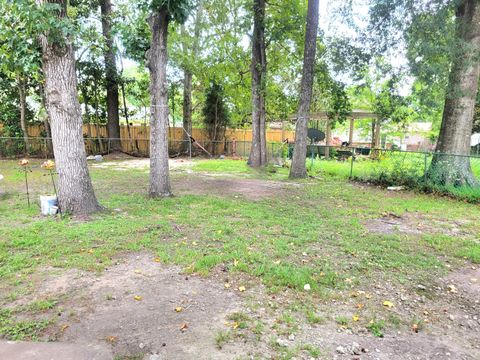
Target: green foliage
x=215 y=113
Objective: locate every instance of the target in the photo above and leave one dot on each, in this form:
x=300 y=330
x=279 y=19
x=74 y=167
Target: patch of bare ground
x=140 y=307
x=413 y=223
x=251 y=189
x=129 y=162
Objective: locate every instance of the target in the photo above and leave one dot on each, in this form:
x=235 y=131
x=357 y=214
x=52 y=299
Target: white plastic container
x=49 y=205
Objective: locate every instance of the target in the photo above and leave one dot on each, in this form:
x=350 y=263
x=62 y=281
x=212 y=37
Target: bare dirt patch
x=413 y=224
x=140 y=307
x=122 y=164
x=251 y=189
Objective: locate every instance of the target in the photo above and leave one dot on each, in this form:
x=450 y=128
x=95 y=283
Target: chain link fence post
x=425 y=176
x=351 y=164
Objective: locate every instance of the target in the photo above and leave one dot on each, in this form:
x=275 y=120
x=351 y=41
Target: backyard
x=240 y=264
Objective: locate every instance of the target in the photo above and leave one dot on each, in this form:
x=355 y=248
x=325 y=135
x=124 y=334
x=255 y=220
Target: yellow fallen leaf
x=241 y=288
x=388 y=304
x=64 y=327
x=157 y=259
x=235 y=325
x=138 y=271
x=178 y=309
x=452 y=289
x=355 y=317
x=235 y=262
x=137 y=297
x=360 y=306
x=227 y=285
x=194 y=243
x=90 y=251
x=111 y=339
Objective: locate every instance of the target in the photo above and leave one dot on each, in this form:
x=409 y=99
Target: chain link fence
x=457 y=175
x=419 y=170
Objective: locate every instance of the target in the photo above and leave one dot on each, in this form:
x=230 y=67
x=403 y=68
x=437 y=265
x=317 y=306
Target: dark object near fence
x=343 y=155
x=315 y=135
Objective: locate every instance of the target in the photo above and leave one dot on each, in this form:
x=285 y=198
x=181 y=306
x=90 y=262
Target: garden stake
x=24 y=164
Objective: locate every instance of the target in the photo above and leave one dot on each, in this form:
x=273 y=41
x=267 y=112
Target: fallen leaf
x=348 y=280
x=178 y=309
x=235 y=262
x=355 y=317
x=452 y=289
x=157 y=259
x=184 y=327
x=64 y=327
x=235 y=325
x=227 y=285
x=388 y=304
x=241 y=288
x=194 y=243
x=138 y=297
x=138 y=271
x=306 y=287
x=111 y=339
x=360 y=306
x=415 y=328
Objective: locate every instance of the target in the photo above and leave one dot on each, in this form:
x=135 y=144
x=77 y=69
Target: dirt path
x=141 y=308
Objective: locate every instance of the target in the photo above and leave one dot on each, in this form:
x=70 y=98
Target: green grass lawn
x=394 y=168
x=313 y=233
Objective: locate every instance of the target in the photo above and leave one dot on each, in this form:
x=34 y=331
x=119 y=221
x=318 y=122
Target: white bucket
x=49 y=205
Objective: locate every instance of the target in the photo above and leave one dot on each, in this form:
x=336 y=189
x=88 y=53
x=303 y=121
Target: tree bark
x=157 y=64
x=75 y=190
x=258 y=155
x=111 y=76
x=22 y=97
x=458 y=114
x=188 y=75
x=298 y=168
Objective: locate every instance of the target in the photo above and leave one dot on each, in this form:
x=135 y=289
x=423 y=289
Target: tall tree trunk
x=187 y=79
x=22 y=97
x=86 y=101
x=458 y=114
x=298 y=169
x=157 y=64
x=377 y=137
x=258 y=156
x=111 y=76
x=75 y=190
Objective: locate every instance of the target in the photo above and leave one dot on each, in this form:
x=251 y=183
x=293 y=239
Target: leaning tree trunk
x=23 y=104
x=157 y=64
x=187 y=79
x=111 y=76
x=258 y=156
x=458 y=114
x=75 y=190
x=298 y=169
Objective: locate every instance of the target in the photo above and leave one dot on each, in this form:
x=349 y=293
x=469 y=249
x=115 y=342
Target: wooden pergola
x=354 y=115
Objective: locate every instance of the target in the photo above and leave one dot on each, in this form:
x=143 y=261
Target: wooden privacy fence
x=136 y=139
